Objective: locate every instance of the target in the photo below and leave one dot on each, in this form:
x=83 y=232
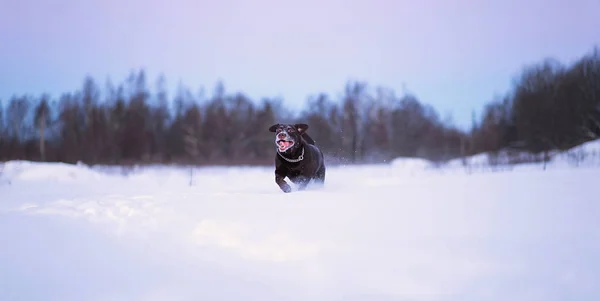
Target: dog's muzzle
x=283 y=141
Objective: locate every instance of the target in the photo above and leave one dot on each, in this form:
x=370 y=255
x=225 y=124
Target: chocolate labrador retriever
x=298 y=157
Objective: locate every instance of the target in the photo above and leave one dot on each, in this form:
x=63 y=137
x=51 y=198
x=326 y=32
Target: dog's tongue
x=284 y=144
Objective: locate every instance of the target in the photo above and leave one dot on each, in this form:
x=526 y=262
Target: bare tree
x=352 y=126
x=42 y=121
x=16 y=114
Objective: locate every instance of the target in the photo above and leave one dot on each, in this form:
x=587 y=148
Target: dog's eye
x=278 y=130
x=290 y=129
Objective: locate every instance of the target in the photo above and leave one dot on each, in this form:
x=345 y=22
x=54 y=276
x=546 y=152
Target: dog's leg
x=301 y=181
x=280 y=180
x=320 y=179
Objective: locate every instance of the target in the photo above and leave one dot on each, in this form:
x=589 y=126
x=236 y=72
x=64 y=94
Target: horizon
x=294 y=50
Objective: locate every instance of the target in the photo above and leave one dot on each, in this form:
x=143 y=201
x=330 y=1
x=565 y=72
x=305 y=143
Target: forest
x=551 y=106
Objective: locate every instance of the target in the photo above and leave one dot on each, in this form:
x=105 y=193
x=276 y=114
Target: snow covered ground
x=387 y=232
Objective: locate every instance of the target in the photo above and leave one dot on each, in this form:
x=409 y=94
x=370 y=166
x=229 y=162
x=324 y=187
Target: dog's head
x=288 y=136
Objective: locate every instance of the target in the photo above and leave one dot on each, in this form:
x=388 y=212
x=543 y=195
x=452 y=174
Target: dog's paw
x=286 y=188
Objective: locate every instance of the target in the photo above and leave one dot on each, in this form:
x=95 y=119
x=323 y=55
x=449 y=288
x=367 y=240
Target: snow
x=586 y=155
x=403 y=231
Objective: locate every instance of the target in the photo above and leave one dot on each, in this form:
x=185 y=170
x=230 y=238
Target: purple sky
x=454 y=55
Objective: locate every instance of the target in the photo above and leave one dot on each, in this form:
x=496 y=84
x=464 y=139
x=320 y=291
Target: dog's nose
x=281 y=136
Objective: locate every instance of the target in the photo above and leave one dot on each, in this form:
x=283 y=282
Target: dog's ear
x=301 y=127
x=273 y=127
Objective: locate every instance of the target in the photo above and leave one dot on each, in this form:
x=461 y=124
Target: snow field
x=379 y=232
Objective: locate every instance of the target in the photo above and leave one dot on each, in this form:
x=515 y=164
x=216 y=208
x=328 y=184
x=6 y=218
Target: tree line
x=550 y=107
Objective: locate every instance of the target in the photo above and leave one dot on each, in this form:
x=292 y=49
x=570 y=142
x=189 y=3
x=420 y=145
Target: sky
x=454 y=55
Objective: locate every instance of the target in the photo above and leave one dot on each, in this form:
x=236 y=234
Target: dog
x=298 y=157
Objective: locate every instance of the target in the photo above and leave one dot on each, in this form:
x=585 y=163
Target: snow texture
x=403 y=231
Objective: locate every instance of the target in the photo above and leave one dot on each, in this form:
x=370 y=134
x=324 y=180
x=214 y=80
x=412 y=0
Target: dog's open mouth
x=284 y=144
